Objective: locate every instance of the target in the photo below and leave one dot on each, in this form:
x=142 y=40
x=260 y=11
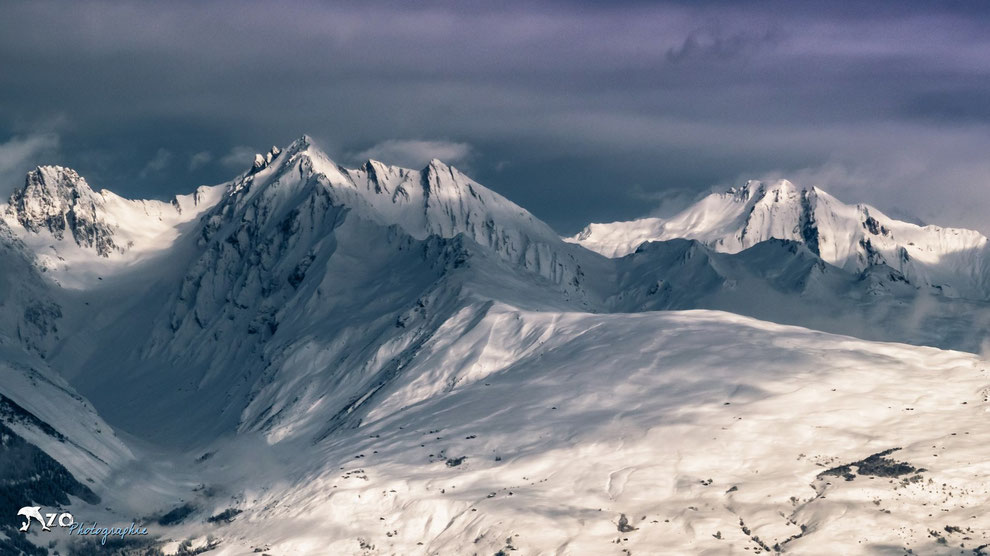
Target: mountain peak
x=59 y=200
x=262 y=161
x=436 y=200
x=53 y=179
x=437 y=174
x=758 y=189
x=852 y=237
x=303 y=142
x=64 y=221
x=302 y=145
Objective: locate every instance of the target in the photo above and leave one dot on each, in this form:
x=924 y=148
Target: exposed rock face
x=262 y=161
x=59 y=200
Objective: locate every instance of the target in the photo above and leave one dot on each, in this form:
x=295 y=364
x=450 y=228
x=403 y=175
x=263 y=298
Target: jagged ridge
x=853 y=237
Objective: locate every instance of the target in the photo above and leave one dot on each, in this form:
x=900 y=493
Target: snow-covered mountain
x=785 y=282
x=653 y=433
x=59 y=216
x=55 y=446
x=437 y=200
x=298 y=255
x=379 y=360
x=853 y=237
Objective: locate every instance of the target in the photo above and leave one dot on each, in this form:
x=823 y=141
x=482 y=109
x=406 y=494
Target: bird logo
x=29 y=513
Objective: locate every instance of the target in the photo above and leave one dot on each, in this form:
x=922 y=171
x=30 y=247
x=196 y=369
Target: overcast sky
x=577 y=111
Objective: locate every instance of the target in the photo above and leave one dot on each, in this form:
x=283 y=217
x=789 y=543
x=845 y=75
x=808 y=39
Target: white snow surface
x=90 y=449
x=63 y=221
x=392 y=361
x=706 y=430
x=853 y=237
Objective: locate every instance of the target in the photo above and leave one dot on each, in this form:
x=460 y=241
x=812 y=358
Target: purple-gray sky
x=578 y=111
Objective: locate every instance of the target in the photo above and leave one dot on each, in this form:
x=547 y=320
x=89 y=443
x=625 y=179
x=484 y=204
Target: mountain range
x=316 y=359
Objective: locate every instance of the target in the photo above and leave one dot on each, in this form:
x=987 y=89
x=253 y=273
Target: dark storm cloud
x=578 y=111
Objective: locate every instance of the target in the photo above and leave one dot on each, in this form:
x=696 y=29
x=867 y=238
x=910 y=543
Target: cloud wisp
x=200 y=159
x=157 y=164
x=20 y=154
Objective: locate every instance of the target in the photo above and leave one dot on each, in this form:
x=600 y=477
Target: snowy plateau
x=312 y=359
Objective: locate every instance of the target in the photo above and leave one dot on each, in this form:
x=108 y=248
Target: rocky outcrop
x=60 y=201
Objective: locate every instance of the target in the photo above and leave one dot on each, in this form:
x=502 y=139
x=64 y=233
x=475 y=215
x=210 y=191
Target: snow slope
x=311 y=359
x=302 y=288
x=708 y=433
x=64 y=222
x=847 y=236
x=40 y=406
x=437 y=200
x=784 y=282
x=57 y=450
